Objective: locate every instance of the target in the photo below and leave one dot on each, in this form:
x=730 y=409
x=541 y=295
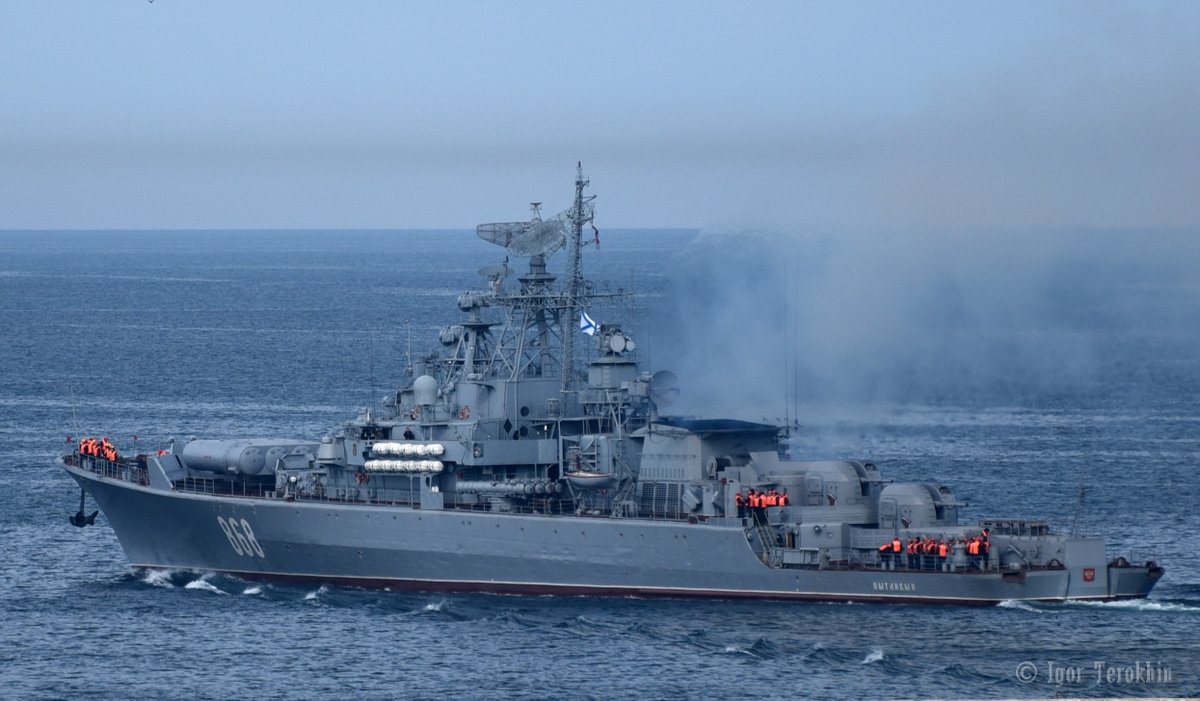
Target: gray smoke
x=760 y=319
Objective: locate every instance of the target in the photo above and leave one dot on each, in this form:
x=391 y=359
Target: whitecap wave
x=159 y=578
x=434 y=606
x=312 y=595
x=1017 y=604
x=876 y=655
x=203 y=584
x=252 y=591
x=1139 y=605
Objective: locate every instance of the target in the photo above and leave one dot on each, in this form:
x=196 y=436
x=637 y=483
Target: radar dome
x=425 y=389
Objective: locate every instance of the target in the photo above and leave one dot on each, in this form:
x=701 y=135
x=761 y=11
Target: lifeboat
x=588 y=479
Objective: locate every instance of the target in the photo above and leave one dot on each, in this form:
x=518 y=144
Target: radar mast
x=581 y=213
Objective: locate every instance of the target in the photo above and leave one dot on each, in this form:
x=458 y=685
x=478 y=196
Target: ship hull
x=470 y=551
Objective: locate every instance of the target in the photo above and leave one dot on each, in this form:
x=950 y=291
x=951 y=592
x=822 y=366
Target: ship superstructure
x=506 y=463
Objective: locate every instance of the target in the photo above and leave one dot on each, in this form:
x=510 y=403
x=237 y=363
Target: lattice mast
x=581 y=213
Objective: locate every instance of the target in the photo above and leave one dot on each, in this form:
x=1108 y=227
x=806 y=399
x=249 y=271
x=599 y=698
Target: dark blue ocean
x=1022 y=371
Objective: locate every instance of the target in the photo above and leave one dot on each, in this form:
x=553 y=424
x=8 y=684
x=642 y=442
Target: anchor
x=78 y=519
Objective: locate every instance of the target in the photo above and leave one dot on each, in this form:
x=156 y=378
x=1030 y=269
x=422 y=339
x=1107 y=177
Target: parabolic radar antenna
x=536 y=237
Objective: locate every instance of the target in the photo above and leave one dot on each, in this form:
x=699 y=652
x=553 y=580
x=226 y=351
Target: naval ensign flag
x=586 y=324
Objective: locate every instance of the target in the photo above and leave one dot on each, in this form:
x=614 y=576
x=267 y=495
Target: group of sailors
x=98 y=448
x=928 y=553
x=755 y=503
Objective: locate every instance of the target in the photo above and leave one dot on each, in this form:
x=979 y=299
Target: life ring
x=465 y=412
x=415 y=413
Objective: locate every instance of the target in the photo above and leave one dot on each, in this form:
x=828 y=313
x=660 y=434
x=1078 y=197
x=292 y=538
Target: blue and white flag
x=586 y=324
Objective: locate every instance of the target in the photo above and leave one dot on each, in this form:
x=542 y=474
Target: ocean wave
x=315 y=594
x=761 y=649
x=159 y=578
x=876 y=655
x=203 y=584
x=512 y=617
x=966 y=673
x=1018 y=605
x=1139 y=605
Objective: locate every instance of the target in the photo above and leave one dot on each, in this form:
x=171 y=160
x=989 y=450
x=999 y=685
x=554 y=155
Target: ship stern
x=1130 y=581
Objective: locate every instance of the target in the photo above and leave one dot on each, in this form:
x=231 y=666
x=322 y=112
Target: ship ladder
x=766 y=542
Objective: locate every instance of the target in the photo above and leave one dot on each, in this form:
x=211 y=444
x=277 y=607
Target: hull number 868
x=241 y=536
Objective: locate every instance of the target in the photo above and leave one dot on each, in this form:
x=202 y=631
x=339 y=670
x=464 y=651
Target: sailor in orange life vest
x=98 y=448
x=928 y=552
x=741 y=504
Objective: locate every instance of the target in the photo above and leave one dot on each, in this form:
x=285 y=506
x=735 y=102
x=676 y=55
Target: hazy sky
x=184 y=114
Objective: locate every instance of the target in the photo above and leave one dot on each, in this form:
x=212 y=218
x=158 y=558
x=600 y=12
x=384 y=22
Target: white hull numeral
x=241 y=537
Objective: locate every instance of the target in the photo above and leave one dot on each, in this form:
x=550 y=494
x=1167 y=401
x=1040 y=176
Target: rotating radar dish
x=664 y=387
x=539 y=238
x=526 y=239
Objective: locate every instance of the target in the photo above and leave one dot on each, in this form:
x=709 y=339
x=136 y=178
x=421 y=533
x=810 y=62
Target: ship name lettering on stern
x=241 y=537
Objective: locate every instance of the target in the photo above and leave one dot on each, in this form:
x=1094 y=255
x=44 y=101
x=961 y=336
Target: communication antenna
x=371 y=362
x=1078 y=508
x=74 y=418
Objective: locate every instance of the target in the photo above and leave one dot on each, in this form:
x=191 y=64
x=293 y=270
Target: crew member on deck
x=755 y=504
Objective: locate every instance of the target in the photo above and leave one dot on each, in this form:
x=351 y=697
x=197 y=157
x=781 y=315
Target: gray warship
x=506 y=463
